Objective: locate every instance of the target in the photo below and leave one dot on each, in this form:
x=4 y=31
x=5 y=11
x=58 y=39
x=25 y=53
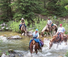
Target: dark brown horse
x=34 y=46
x=57 y=40
x=23 y=29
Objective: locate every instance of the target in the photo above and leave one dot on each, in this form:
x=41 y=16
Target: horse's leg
x=31 y=50
x=21 y=33
x=47 y=34
x=36 y=51
x=65 y=43
x=50 y=45
x=24 y=33
x=57 y=45
x=50 y=34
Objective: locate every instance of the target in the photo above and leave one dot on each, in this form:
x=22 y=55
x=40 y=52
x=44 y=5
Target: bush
x=66 y=54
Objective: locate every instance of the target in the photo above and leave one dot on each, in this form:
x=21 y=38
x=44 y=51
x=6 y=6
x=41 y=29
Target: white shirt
x=35 y=35
x=49 y=22
x=61 y=29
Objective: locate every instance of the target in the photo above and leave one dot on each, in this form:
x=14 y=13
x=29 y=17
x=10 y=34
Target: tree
x=54 y=8
x=6 y=10
x=25 y=9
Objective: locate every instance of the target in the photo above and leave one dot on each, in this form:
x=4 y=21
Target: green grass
x=15 y=25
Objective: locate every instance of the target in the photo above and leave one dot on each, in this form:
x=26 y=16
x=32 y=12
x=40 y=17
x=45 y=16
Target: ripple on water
x=21 y=47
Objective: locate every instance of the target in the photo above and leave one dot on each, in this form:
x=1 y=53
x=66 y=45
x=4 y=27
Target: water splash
x=54 y=47
x=3 y=39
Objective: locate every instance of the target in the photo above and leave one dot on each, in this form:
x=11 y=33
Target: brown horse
x=57 y=40
x=23 y=29
x=49 y=30
x=34 y=46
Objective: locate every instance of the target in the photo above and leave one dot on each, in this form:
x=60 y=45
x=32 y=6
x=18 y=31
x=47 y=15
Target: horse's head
x=23 y=28
x=50 y=44
x=33 y=42
x=55 y=27
x=34 y=46
x=52 y=41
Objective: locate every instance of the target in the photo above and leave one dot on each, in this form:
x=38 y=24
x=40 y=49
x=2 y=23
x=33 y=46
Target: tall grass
x=15 y=25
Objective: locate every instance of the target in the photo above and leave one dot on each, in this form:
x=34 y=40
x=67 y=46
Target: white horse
x=52 y=32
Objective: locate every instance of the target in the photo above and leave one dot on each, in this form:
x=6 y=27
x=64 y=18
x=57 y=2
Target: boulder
x=11 y=51
x=14 y=37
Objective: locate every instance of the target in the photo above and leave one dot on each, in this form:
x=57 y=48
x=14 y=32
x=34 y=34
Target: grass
x=15 y=25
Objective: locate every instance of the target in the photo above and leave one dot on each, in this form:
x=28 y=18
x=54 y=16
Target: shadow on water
x=21 y=46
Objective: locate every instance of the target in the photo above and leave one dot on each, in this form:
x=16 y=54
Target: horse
x=57 y=40
x=34 y=46
x=51 y=30
x=23 y=29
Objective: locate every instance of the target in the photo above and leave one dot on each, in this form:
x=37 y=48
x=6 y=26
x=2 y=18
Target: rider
x=61 y=31
x=22 y=22
x=49 y=23
x=35 y=37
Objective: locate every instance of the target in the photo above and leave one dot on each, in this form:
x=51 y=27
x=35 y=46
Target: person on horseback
x=61 y=31
x=49 y=23
x=35 y=37
x=22 y=23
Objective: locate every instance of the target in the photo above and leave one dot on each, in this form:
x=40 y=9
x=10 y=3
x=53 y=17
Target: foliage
x=56 y=9
x=25 y=9
x=0 y=52
x=14 y=25
x=66 y=54
x=66 y=7
x=39 y=24
x=16 y=9
x=5 y=9
x=1 y=22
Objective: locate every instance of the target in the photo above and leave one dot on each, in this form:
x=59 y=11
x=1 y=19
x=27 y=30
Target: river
x=21 y=46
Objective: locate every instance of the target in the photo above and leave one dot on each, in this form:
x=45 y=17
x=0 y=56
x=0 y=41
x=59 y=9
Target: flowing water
x=21 y=46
